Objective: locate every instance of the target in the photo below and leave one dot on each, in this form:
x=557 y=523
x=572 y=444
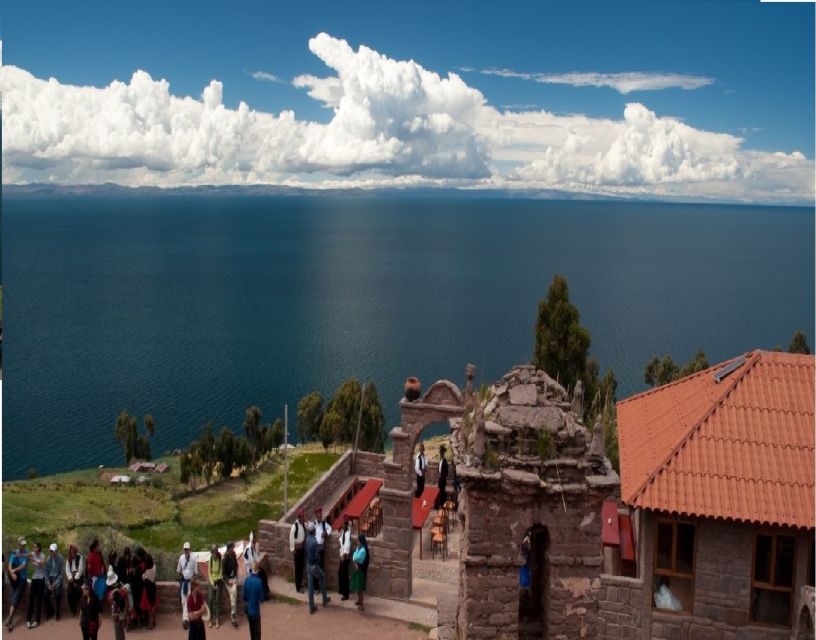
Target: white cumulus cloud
x=264 y=76
x=393 y=122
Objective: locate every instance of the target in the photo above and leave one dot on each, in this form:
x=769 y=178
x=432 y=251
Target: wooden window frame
x=672 y=573
x=770 y=586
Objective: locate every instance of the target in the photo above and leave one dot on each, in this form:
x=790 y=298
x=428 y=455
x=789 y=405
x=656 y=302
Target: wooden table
x=419 y=513
x=360 y=502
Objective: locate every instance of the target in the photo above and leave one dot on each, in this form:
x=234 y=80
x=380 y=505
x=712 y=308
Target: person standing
x=252 y=558
x=419 y=469
x=18 y=574
x=118 y=614
x=361 y=558
x=345 y=559
x=196 y=608
x=94 y=564
x=253 y=596
x=89 y=609
x=54 y=572
x=230 y=571
x=323 y=532
x=215 y=576
x=313 y=570
x=297 y=537
x=35 y=599
x=74 y=572
x=442 y=482
x=148 y=600
x=187 y=569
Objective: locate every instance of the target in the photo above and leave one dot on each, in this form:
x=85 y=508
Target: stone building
x=533 y=483
x=717 y=472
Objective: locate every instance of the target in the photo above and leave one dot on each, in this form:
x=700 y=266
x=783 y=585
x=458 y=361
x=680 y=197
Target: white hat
x=112 y=577
x=186 y=545
x=53 y=546
x=21 y=541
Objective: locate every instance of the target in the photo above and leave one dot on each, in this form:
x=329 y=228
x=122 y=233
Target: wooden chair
x=439 y=543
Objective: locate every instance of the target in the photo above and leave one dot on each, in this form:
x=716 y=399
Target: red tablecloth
x=360 y=502
x=420 y=513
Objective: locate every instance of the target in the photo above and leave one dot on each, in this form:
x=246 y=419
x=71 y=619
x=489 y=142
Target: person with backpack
x=230 y=569
x=187 y=569
x=362 y=558
x=297 y=538
x=215 y=576
x=252 y=563
x=18 y=575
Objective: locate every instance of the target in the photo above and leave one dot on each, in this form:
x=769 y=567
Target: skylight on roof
x=729 y=368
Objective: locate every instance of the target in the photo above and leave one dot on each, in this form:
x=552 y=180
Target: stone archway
x=441 y=402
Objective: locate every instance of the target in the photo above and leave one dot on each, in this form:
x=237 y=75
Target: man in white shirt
x=419 y=468
x=297 y=537
x=187 y=568
x=345 y=559
x=323 y=532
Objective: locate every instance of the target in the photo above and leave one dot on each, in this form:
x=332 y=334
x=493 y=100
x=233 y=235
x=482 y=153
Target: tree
x=309 y=417
x=372 y=426
x=277 y=434
x=126 y=432
x=798 y=343
x=561 y=344
x=207 y=452
x=225 y=448
x=252 y=422
x=184 y=467
x=330 y=428
x=660 y=371
x=346 y=405
x=243 y=456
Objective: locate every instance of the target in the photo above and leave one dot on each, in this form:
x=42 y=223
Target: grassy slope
x=62 y=506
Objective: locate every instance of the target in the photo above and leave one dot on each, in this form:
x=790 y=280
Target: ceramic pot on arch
x=412 y=388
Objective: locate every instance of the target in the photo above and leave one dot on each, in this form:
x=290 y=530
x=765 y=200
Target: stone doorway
x=533 y=600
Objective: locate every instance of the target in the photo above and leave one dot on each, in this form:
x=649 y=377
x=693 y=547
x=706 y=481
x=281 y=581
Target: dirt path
x=278 y=620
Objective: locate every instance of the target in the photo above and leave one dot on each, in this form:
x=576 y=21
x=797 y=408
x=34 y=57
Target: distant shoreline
x=110 y=189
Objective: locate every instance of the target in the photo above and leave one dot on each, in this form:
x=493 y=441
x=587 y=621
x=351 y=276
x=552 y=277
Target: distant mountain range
x=111 y=189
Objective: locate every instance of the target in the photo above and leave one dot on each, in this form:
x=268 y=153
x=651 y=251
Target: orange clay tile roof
x=741 y=449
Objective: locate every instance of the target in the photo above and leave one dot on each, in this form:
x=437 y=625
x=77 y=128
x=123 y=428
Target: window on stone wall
x=674 y=565
x=772 y=583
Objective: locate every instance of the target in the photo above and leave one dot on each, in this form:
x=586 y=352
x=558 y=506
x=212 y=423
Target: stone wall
x=620 y=607
x=722 y=585
x=368 y=464
x=497 y=510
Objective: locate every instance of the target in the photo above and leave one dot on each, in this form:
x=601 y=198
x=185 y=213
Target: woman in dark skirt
x=196 y=608
x=361 y=559
x=148 y=600
x=89 y=609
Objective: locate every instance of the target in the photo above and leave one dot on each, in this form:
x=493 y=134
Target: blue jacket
x=253 y=594
x=312 y=556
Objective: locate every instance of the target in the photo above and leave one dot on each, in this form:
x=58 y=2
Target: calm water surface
x=193 y=308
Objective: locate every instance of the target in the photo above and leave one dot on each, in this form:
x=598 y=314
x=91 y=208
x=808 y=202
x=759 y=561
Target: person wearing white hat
x=187 y=568
x=18 y=574
x=54 y=573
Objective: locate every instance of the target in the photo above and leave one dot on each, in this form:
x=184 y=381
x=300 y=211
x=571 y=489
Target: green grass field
x=66 y=506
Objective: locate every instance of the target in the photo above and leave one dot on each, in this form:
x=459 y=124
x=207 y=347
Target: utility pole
x=285 y=458
x=359 y=420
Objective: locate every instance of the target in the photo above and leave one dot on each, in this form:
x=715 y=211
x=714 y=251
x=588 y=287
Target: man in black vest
x=442 y=483
x=419 y=469
x=297 y=538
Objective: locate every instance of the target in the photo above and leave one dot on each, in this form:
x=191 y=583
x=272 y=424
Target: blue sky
x=758 y=58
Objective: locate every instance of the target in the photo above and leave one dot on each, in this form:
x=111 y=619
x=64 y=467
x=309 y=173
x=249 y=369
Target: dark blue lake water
x=193 y=308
